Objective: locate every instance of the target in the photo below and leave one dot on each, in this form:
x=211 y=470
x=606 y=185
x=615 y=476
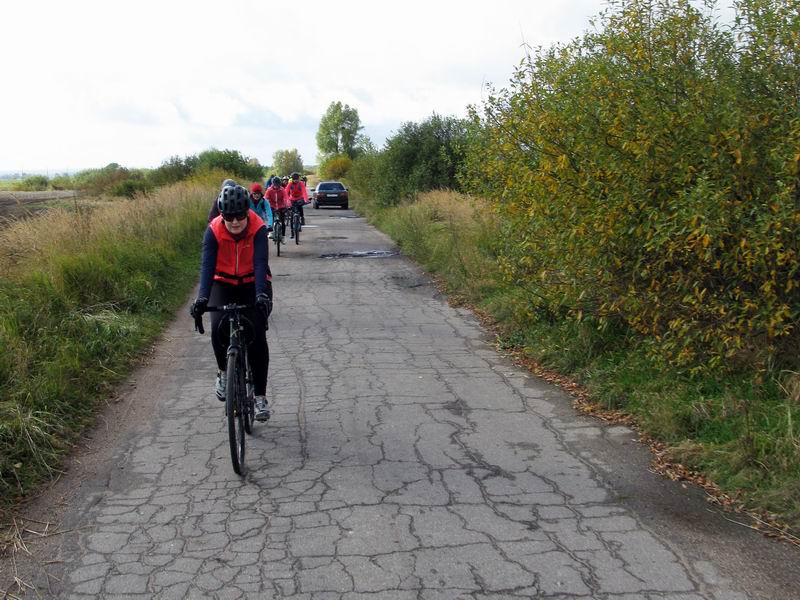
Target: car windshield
x=333 y=186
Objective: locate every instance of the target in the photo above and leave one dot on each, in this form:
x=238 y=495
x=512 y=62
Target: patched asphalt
x=405 y=458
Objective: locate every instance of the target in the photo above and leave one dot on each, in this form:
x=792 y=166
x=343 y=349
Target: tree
x=338 y=132
x=422 y=156
x=285 y=162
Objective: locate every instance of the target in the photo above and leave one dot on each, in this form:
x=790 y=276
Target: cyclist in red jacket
x=297 y=194
x=276 y=197
x=235 y=269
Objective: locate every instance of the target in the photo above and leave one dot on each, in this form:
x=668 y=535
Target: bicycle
x=239 y=395
x=296 y=226
x=277 y=231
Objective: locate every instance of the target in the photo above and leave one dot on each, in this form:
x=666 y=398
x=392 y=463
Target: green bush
x=172 y=170
x=419 y=157
x=230 y=161
x=32 y=183
x=62 y=182
x=130 y=187
x=647 y=176
x=335 y=167
x=99 y=181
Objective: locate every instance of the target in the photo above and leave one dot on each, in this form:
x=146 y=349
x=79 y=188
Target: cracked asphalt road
x=405 y=458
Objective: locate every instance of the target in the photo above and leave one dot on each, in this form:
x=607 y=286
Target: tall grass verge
x=83 y=291
x=740 y=429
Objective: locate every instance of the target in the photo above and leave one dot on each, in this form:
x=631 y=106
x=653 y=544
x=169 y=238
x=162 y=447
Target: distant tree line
x=117 y=180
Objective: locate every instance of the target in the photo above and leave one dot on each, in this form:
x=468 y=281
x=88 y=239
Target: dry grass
x=35 y=241
x=83 y=290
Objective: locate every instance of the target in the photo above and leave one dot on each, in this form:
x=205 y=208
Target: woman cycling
x=235 y=269
x=260 y=206
x=298 y=196
x=277 y=201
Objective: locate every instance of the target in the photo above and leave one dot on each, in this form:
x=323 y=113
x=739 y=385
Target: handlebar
x=229 y=307
x=198 y=320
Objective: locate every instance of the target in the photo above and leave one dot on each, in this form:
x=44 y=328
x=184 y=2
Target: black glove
x=198 y=307
x=264 y=305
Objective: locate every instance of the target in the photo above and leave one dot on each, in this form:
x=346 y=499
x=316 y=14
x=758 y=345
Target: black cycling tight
x=257 y=350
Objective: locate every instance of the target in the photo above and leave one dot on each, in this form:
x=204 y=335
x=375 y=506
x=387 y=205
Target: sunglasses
x=236 y=217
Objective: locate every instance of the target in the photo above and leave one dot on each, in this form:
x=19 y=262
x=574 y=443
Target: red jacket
x=235 y=256
x=277 y=198
x=296 y=190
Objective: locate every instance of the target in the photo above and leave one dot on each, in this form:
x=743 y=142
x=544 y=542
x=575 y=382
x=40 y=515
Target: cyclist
x=235 y=269
x=284 y=181
x=277 y=201
x=214 y=212
x=260 y=206
x=298 y=195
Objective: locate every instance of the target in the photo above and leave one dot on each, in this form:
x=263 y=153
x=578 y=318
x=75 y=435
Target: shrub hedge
x=646 y=174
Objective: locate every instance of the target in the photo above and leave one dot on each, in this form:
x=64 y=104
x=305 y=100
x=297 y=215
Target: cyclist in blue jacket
x=260 y=205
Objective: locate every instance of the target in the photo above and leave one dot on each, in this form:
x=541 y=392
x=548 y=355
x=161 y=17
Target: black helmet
x=276 y=180
x=295 y=176
x=227 y=183
x=233 y=200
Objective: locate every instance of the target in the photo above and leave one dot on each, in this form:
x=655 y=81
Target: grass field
x=84 y=289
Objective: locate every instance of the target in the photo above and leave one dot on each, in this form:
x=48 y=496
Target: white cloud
x=90 y=82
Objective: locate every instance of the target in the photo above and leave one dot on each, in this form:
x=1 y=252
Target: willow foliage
x=646 y=174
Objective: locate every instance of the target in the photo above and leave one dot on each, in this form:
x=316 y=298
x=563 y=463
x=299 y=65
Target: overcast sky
x=86 y=83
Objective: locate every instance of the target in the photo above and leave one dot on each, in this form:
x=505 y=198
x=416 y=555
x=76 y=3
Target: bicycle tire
x=233 y=395
x=296 y=228
x=249 y=403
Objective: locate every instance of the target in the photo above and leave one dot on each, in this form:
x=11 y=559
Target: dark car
x=330 y=193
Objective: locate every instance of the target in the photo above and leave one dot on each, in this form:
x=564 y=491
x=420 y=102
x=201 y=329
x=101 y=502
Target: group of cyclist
x=234 y=269
x=281 y=196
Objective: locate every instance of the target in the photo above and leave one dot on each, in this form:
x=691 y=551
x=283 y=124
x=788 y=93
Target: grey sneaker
x=262 y=410
x=220 y=387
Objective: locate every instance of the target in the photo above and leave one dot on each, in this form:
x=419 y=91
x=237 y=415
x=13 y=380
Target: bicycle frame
x=296 y=213
x=278 y=225
x=296 y=224
x=239 y=404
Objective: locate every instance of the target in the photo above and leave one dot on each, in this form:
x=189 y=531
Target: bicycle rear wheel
x=234 y=396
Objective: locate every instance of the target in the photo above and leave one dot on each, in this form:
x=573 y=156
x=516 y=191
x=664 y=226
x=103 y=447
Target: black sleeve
x=261 y=260
x=214 y=212
x=208 y=264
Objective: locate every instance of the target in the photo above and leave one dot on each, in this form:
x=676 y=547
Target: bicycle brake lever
x=198 y=325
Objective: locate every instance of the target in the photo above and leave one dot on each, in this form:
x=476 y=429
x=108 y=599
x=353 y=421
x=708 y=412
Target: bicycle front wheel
x=249 y=404
x=296 y=229
x=234 y=400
